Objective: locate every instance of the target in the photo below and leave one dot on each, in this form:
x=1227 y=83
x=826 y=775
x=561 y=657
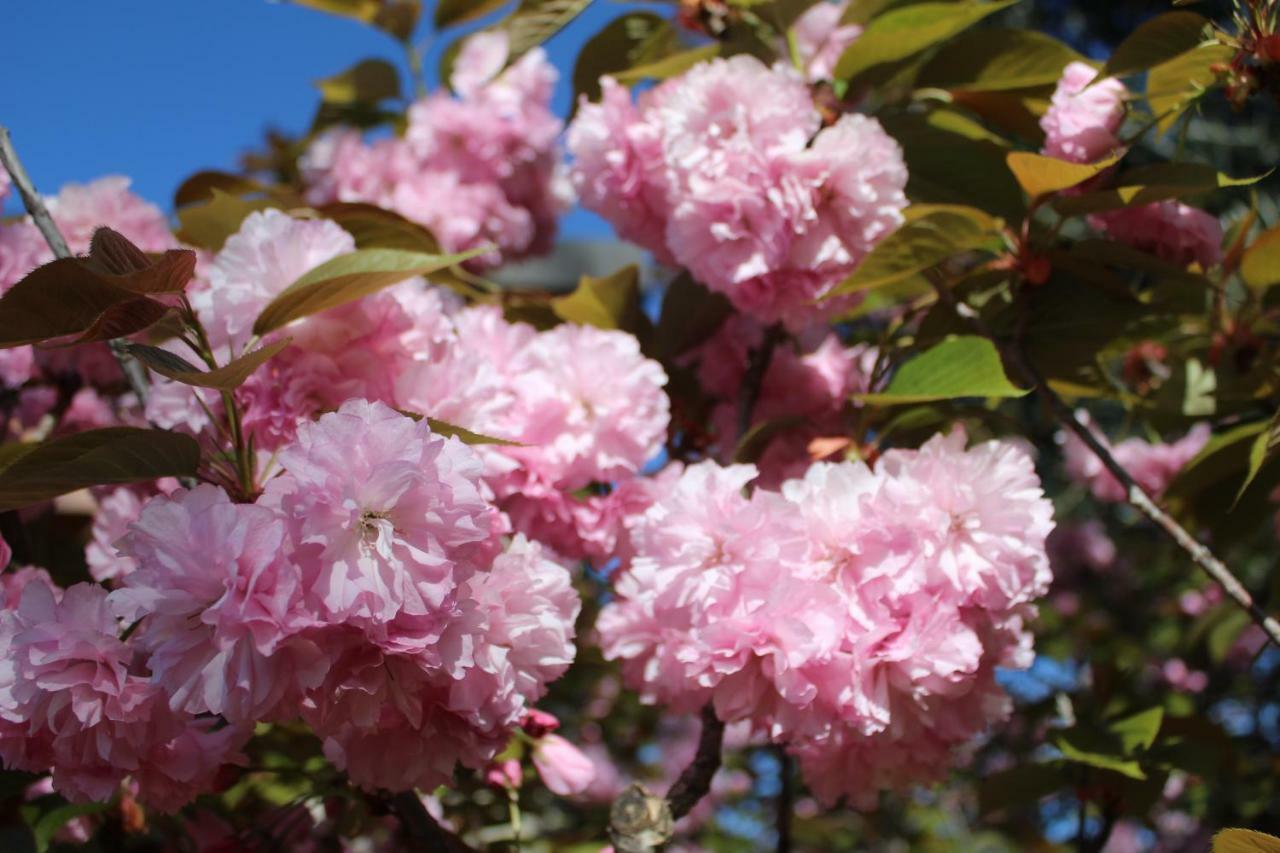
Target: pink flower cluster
x=1152 y=465
x=72 y=699
x=725 y=170
x=478 y=169
x=78 y=210
x=803 y=396
x=1081 y=126
x=367 y=591
x=858 y=615
x=587 y=409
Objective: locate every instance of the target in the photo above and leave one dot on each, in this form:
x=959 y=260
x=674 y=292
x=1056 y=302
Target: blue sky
x=158 y=89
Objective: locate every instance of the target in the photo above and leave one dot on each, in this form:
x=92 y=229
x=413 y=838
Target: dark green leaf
x=932 y=234
x=995 y=59
x=631 y=40
x=450 y=12
x=690 y=314
x=1260 y=265
x=114 y=455
x=1019 y=786
x=368 y=81
x=535 y=21
x=1156 y=41
x=1148 y=184
x=669 y=66
x=1173 y=85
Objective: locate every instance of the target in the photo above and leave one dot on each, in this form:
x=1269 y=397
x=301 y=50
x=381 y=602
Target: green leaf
x=1260 y=265
x=611 y=302
x=115 y=455
x=535 y=21
x=368 y=81
x=1040 y=175
x=669 y=66
x=901 y=33
x=228 y=377
x=374 y=227
x=1173 y=85
x=347 y=278
x=1261 y=450
x=952 y=159
x=995 y=59
x=1086 y=747
x=963 y=366
x=63 y=297
x=932 y=234
x=631 y=40
x=209 y=225
x=1155 y=42
x=690 y=314
x=1148 y=184
x=450 y=12
x=397 y=18
x=1245 y=841
x=1138 y=731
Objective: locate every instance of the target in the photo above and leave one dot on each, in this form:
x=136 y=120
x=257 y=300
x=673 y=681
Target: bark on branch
x=133 y=371
x=1199 y=553
x=640 y=821
x=422 y=828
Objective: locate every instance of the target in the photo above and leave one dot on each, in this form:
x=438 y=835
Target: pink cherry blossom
x=1083 y=116
x=224 y=609
x=1171 y=230
x=821 y=38
x=1152 y=465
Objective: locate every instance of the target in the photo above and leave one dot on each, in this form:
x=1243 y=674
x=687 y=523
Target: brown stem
x=132 y=369
x=785 y=805
x=757 y=365
x=695 y=781
x=1136 y=497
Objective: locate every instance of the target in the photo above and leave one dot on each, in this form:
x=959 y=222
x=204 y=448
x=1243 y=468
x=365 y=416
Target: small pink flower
x=1083 y=116
x=563 y=767
x=505 y=774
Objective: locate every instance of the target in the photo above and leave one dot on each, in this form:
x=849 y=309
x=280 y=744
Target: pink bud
x=538 y=723
x=563 y=767
x=504 y=774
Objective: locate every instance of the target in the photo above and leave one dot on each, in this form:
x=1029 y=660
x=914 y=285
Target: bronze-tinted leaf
x=121 y=320
x=228 y=377
x=61 y=298
x=368 y=81
x=115 y=455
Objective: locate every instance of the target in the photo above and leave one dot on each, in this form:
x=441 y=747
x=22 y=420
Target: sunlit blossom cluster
x=478 y=169
x=857 y=615
x=367 y=591
x=727 y=171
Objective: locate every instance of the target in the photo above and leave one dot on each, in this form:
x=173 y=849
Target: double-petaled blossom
x=1084 y=115
x=479 y=169
x=586 y=408
x=725 y=171
x=821 y=38
x=70 y=701
x=905 y=587
x=1153 y=465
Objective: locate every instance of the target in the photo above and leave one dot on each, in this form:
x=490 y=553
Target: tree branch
x=132 y=369
x=785 y=804
x=422 y=827
x=1134 y=494
x=757 y=365
x=640 y=821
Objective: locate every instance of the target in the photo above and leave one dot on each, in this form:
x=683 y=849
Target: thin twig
x=753 y=378
x=422 y=827
x=132 y=369
x=786 y=796
x=1136 y=497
